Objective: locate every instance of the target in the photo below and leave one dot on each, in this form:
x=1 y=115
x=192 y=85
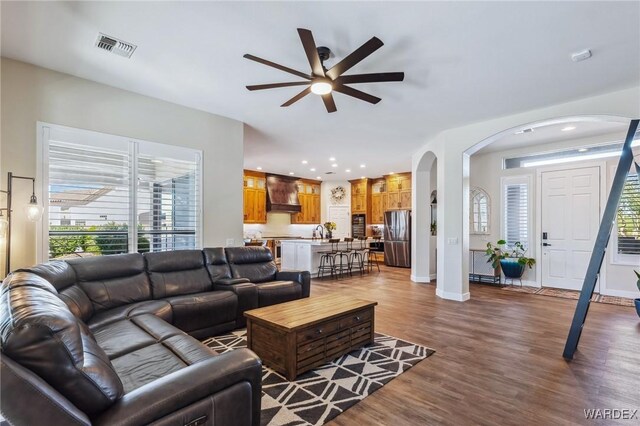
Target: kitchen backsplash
x=278 y=225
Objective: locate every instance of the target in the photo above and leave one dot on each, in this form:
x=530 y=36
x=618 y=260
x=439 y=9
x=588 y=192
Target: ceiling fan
x=323 y=81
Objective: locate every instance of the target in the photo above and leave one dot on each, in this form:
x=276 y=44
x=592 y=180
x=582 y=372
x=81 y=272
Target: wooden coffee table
x=294 y=337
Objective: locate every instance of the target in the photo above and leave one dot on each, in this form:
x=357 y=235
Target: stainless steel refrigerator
x=397 y=238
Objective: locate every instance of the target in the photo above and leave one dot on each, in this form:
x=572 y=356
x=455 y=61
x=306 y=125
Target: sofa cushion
x=161 y=349
x=216 y=262
x=159 y=308
x=278 y=292
x=203 y=310
x=112 y=281
x=39 y=332
x=62 y=276
x=254 y=263
x=179 y=272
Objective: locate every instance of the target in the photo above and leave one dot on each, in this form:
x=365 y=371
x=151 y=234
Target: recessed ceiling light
x=568 y=128
x=313 y=169
x=319 y=177
x=391 y=173
x=583 y=150
x=291 y=173
x=304 y=161
x=334 y=165
x=332 y=158
x=363 y=177
x=259 y=168
x=362 y=166
x=348 y=170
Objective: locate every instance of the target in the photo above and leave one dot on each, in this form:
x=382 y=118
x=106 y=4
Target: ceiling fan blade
x=277 y=66
x=276 y=85
x=329 y=103
x=370 y=78
x=356 y=56
x=297 y=97
x=312 y=51
x=356 y=93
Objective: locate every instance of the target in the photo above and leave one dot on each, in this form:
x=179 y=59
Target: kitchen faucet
x=321 y=231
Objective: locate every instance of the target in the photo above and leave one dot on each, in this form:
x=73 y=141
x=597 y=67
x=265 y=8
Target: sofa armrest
x=303 y=277
x=247 y=293
x=185 y=387
x=231 y=281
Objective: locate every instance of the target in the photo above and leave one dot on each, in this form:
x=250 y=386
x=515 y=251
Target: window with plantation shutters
x=515 y=202
x=109 y=194
x=628 y=221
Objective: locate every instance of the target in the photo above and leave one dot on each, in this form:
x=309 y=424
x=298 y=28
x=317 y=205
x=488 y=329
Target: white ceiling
x=464 y=62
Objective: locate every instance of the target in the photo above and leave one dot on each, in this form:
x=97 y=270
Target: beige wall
x=31 y=94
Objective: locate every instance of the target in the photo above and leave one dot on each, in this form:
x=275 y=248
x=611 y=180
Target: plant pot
x=637 y=302
x=329 y=235
x=511 y=268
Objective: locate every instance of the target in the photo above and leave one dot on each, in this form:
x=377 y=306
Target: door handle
x=546 y=244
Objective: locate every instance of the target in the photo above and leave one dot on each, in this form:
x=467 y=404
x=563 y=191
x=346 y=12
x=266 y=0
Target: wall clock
x=338 y=194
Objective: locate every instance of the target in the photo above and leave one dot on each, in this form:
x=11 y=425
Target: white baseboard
x=458 y=297
x=620 y=293
x=419 y=279
x=433 y=276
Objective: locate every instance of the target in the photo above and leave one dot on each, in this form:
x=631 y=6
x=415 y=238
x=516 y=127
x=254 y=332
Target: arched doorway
x=494 y=155
x=423 y=220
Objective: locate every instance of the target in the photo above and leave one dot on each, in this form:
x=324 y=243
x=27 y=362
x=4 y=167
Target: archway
x=534 y=277
x=425 y=181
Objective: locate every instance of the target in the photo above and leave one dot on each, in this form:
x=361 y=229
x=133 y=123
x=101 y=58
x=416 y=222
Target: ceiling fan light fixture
x=321 y=86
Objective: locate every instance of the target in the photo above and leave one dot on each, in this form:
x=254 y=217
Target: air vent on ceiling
x=113 y=45
x=330 y=173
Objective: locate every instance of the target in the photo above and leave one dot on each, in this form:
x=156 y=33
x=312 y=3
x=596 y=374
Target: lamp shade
x=33 y=210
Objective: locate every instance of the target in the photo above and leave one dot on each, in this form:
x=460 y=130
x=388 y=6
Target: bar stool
x=342 y=265
x=327 y=259
x=358 y=255
x=371 y=257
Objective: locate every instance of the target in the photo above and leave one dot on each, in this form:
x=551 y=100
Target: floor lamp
x=33 y=212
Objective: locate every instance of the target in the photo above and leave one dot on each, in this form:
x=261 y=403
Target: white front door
x=570 y=221
x=341 y=215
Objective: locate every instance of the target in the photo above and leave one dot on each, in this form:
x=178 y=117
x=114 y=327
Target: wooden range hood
x=282 y=194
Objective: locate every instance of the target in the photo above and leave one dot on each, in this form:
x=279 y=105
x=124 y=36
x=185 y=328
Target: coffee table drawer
x=356 y=318
x=318 y=331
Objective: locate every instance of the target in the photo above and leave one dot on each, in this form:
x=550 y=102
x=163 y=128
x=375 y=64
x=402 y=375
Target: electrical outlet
x=452 y=241
x=230 y=242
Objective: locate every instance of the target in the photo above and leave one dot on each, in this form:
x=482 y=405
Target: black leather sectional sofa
x=112 y=340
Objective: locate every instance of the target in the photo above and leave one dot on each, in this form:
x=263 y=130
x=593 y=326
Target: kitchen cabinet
x=379 y=201
x=360 y=196
x=309 y=198
x=398 y=191
x=254 y=197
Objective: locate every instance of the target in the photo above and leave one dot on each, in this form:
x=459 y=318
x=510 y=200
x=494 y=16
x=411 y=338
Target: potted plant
x=637 y=301
x=512 y=261
x=330 y=227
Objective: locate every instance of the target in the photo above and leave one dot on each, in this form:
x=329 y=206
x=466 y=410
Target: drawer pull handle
x=319 y=331
x=357 y=318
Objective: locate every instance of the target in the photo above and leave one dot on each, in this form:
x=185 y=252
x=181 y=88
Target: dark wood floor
x=498 y=357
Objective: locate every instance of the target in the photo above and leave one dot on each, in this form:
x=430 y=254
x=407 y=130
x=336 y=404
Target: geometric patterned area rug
x=570 y=294
x=321 y=394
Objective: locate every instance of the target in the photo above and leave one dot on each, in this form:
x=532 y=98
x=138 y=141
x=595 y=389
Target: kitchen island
x=304 y=255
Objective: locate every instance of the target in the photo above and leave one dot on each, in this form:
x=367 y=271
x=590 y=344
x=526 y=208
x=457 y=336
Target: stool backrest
x=349 y=242
x=363 y=242
x=334 y=244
